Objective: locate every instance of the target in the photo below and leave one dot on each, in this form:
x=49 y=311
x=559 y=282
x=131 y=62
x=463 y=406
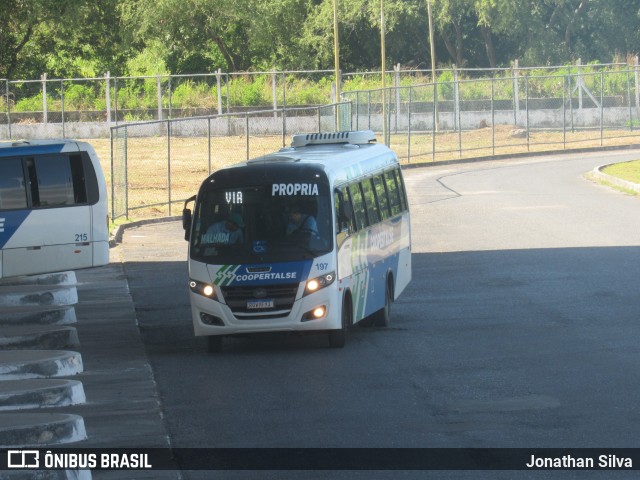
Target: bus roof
x=34 y=147
x=341 y=157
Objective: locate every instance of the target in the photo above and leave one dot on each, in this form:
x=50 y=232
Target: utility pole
x=336 y=61
x=384 y=71
x=433 y=66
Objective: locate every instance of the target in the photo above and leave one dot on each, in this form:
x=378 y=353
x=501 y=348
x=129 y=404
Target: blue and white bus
x=315 y=237
x=53 y=207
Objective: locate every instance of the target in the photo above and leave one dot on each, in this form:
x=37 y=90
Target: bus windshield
x=270 y=222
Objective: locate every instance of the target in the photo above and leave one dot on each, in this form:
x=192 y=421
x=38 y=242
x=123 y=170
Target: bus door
x=55 y=232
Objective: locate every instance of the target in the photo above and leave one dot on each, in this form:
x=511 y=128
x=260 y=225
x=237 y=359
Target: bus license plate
x=259 y=304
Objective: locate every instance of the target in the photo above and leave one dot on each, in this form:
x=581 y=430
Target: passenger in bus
x=300 y=222
x=225 y=232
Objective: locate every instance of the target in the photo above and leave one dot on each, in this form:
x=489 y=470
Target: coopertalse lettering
x=266 y=276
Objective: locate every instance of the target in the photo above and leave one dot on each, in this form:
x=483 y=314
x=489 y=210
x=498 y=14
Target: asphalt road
x=520 y=329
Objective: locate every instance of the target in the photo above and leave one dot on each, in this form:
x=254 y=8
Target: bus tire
x=214 y=343
x=382 y=317
x=338 y=338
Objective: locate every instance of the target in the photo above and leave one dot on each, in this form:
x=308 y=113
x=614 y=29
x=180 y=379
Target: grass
x=629 y=171
x=193 y=158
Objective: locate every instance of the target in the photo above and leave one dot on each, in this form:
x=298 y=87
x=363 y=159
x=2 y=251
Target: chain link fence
x=88 y=107
x=486 y=117
x=180 y=128
x=156 y=165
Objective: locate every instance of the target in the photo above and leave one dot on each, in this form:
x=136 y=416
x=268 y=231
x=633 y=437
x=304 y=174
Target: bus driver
x=300 y=222
x=226 y=232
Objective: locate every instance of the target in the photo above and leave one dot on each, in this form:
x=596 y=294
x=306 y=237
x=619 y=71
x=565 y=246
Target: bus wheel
x=338 y=338
x=214 y=343
x=382 y=317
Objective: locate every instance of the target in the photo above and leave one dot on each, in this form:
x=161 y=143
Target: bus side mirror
x=186 y=222
x=187 y=218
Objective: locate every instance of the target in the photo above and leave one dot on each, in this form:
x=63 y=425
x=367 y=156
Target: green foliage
x=79 y=97
x=30 y=104
x=194 y=95
x=309 y=93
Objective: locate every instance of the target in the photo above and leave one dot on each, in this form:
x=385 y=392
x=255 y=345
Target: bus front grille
x=237 y=298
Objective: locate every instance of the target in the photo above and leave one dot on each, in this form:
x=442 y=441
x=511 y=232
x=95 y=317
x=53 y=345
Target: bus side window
x=54 y=181
x=381 y=194
x=370 y=201
x=78 y=179
x=344 y=212
x=394 y=194
x=358 y=206
x=401 y=190
x=13 y=194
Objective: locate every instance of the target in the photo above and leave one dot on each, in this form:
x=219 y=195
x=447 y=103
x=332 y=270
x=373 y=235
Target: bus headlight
x=319 y=283
x=203 y=289
x=315 y=314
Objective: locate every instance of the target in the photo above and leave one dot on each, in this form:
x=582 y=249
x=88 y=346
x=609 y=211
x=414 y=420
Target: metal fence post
x=629 y=100
x=409 y=125
x=602 y=106
x=170 y=99
x=274 y=92
x=635 y=68
x=526 y=85
x=62 y=106
x=113 y=195
x=369 y=111
x=246 y=119
x=209 y=145
x=219 y=87
x=284 y=126
x=564 y=113
x=159 y=93
x=493 y=120
x=434 y=125
x=108 y=95
x=169 y=163
x=516 y=94
x=580 y=83
x=126 y=172
x=570 y=102
x=44 y=98
x=115 y=102
x=228 y=95
x=397 y=85
x=284 y=90
x=456 y=99
x=8 y=107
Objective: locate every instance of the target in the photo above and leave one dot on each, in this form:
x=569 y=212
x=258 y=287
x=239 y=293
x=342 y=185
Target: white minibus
x=53 y=207
x=314 y=237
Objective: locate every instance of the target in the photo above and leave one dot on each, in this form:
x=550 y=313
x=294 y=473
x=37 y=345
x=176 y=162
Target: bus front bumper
x=314 y=312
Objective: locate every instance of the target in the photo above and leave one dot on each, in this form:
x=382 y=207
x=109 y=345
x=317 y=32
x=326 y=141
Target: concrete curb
x=598 y=174
x=16 y=365
x=47 y=279
x=119 y=231
x=507 y=156
x=40 y=429
x=43 y=315
x=39 y=337
x=40 y=393
x=19 y=296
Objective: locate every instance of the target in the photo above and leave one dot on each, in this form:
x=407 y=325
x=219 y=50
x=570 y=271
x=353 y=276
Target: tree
x=61 y=37
x=360 y=36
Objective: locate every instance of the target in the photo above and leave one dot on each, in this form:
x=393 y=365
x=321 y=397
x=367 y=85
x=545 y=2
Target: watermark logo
x=23 y=459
